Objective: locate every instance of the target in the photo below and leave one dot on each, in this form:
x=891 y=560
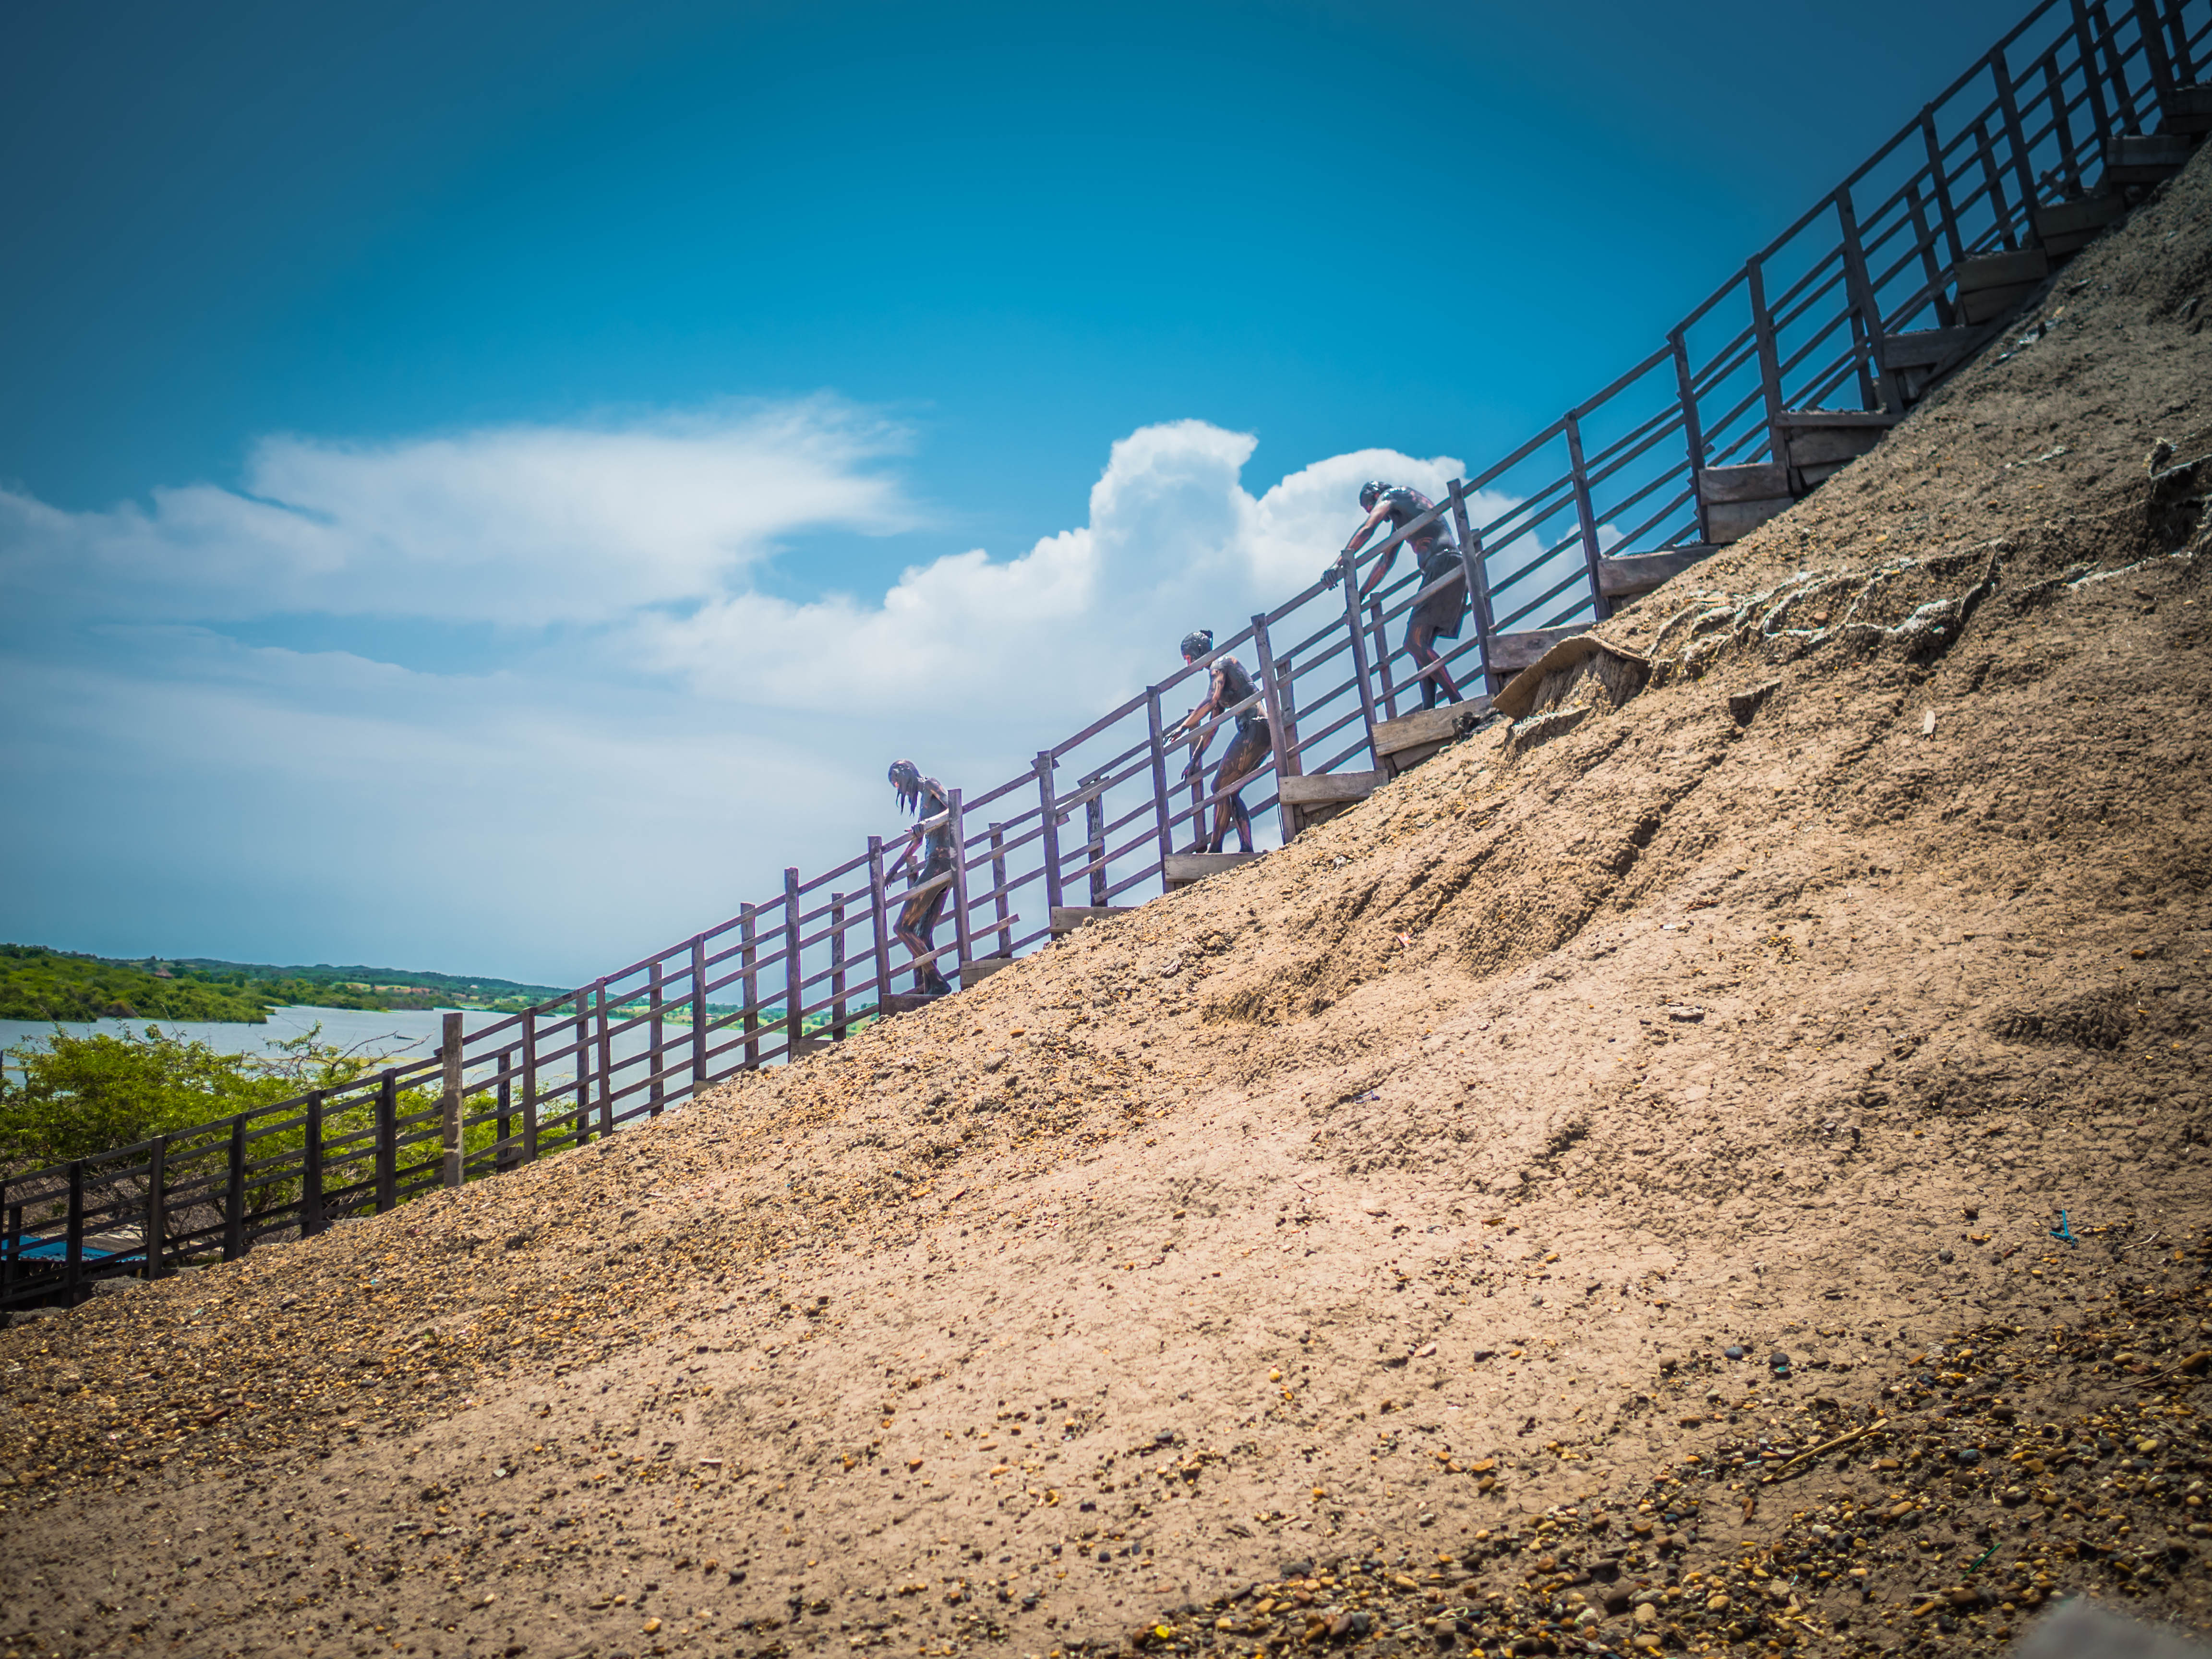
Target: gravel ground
x=1598 y=1196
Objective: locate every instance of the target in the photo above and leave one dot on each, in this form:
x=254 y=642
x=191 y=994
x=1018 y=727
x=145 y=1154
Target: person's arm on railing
x=901 y=864
x=1209 y=711
x=1379 y=516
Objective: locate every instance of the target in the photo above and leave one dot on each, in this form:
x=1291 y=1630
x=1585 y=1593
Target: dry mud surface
x=1597 y=1197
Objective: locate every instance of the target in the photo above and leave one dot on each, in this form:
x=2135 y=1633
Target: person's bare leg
x=1436 y=680
x=1242 y=760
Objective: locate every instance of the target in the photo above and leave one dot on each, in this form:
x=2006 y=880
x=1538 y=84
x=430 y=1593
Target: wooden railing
x=1858 y=302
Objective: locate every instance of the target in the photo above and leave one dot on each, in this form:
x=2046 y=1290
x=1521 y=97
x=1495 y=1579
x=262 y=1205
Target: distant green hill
x=43 y=984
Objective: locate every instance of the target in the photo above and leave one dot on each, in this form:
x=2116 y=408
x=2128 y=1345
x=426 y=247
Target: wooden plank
x=1987 y=304
x=1795 y=420
x=974 y=973
x=2190 y=110
x=1929 y=348
x=1349 y=574
x=1759 y=482
x=2144 y=158
x=1426 y=726
x=2000 y=270
x=1731 y=522
x=2090 y=213
x=906 y=1002
x=1826 y=445
x=1066 y=918
x=1181 y=869
x=1329 y=788
x=1515 y=652
x=1640 y=572
x=1585 y=513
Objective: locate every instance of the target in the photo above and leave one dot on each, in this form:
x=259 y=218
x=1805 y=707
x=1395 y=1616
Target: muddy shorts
x=920 y=913
x=1442 y=611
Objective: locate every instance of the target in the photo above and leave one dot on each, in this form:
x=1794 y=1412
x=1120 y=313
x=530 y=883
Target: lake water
x=403 y=1034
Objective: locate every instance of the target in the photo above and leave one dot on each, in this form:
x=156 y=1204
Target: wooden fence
x=1798 y=362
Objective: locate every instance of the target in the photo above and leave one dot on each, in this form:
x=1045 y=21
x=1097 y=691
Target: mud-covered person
x=1229 y=686
x=1440 y=615
x=925 y=799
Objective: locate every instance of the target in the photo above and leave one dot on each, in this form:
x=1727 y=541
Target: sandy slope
x=1346 y=1252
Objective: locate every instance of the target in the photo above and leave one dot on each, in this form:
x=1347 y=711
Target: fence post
x=2054 y=90
x=1472 y=565
x=234 y=1220
x=878 y=914
x=748 y=983
x=1350 y=568
x=698 y=1012
x=73 y=1272
x=2124 y=97
x=1382 y=654
x=837 y=966
x=1770 y=364
x=1044 y=764
x=1862 y=298
x=1278 y=738
x=1587 y=518
x=157 y=1206
x=1094 y=836
x=1000 y=906
x=449 y=1098
x=1286 y=692
x=388 y=1140
x=1993 y=178
x=2085 y=41
x=2162 y=70
x=2183 y=69
x=606 y=1061
x=794 y=976
x=505 y=1157
x=1163 y=809
x=1940 y=182
x=2016 y=135
x=13 y=1255
x=1931 y=268
x=530 y=1086
x=654 y=1093
x=311 y=1169
x=583 y=1134
x=963 y=944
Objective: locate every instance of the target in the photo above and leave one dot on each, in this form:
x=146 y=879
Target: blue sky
x=445 y=443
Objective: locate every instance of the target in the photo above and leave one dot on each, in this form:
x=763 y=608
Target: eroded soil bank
x=1601 y=1192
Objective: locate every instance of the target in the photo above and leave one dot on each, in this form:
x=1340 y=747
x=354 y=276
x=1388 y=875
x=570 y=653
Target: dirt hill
x=1598 y=1195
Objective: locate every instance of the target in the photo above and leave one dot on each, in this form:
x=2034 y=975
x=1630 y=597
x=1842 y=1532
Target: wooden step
x=1181 y=870
x=977 y=970
x=1426 y=727
x=1931 y=348
x=2145 y=158
x=2064 y=227
x=1792 y=419
x=1639 y=573
x=1066 y=918
x=802 y=1046
x=906 y=1002
x=1511 y=653
x=1309 y=801
x=2000 y=270
x=1330 y=788
x=2189 y=109
x=1759 y=483
x=1739 y=499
